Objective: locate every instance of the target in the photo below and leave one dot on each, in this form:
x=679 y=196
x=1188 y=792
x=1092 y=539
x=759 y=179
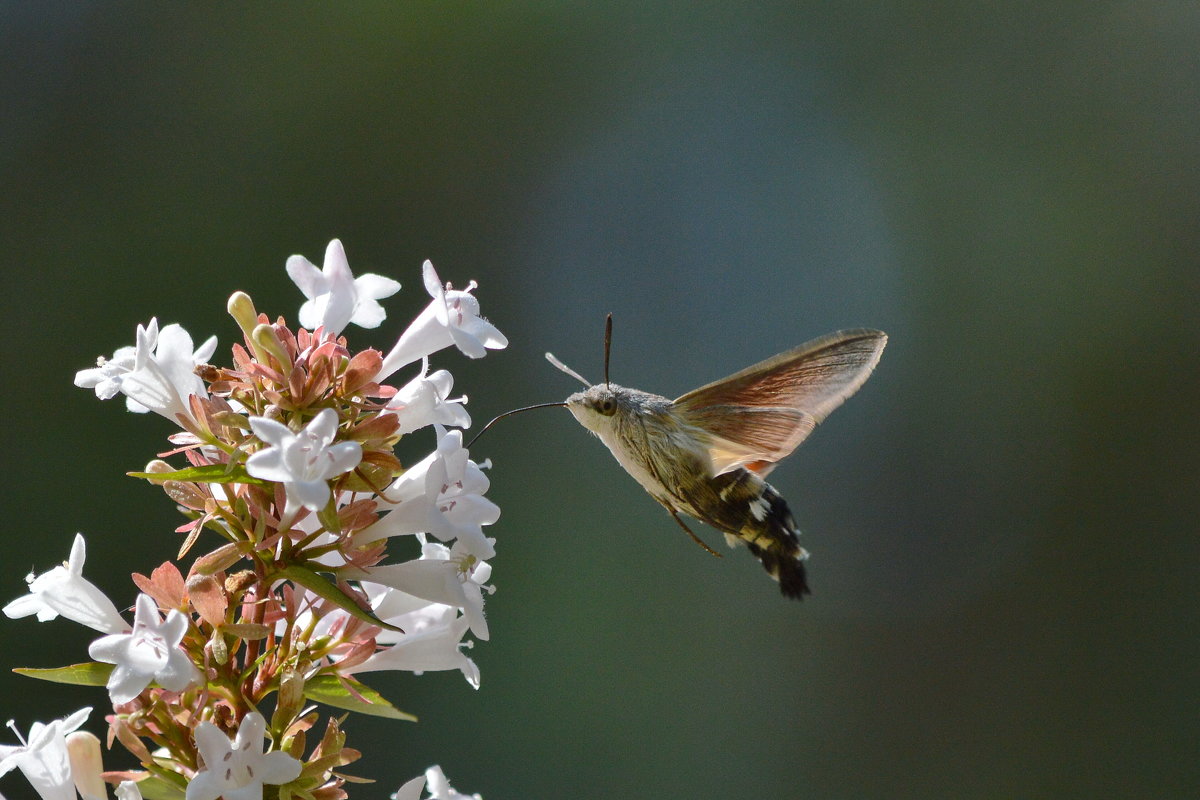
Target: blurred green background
x=1002 y=523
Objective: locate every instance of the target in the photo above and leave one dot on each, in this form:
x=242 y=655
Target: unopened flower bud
x=241 y=308
x=264 y=336
x=218 y=647
x=158 y=466
x=83 y=749
x=291 y=697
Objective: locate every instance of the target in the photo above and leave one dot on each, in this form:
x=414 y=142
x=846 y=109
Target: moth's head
x=597 y=407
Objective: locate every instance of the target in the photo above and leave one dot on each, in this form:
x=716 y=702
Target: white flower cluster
x=427 y=604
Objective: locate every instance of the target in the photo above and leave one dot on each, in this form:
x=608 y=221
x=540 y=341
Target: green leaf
x=210 y=473
x=329 y=690
x=86 y=674
x=155 y=788
x=329 y=591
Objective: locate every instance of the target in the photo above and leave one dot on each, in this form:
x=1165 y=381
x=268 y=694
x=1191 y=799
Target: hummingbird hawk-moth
x=707 y=453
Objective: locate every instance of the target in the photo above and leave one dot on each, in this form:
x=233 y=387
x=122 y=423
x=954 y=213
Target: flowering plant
x=284 y=467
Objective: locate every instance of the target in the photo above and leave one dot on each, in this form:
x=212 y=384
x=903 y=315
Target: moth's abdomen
x=743 y=505
x=776 y=544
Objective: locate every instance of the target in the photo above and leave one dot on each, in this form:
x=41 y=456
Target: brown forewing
x=764 y=412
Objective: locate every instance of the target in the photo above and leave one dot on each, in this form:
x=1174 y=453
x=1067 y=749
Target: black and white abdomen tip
x=775 y=542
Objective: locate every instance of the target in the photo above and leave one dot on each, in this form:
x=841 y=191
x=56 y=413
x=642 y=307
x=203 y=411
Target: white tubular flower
x=425 y=401
x=440 y=789
x=452 y=318
x=63 y=590
x=441 y=575
x=473 y=575
x=150 y=653
x=335 y=297
x=438 y=582
x=107 y=375
x=157 y=375
x=238 y=770
x=432 y=641
x=303 y=462
x=442 y=495
x=43 y=758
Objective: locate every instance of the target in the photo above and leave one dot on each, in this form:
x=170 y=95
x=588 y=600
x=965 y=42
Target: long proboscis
x=499 y=417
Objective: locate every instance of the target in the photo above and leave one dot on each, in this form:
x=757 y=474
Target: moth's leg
x=675 y=515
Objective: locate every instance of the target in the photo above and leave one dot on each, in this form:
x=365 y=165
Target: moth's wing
x=760 y=415
x=744 y=436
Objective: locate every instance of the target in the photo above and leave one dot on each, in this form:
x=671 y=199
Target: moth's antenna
x=550 y=357
x=607 y=344
x=492 y=422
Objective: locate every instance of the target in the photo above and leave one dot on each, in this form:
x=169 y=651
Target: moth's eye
x=607 y=406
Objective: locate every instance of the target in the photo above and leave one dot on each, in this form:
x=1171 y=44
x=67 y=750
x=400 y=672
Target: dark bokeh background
x=1003 y=523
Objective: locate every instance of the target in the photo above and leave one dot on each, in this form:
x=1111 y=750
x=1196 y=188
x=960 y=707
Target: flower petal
x=307 y=277
x=313 y=495
x=271 y=431
x=375 y=287
x=126 y=683
x=212 y=743
x=109 y=649
x=322 y=427
x=277 y=767
x=179 y=672
x=268 y=465
x=250 y=732
x=341 y=457
x=206 y=785
x=411 y=790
